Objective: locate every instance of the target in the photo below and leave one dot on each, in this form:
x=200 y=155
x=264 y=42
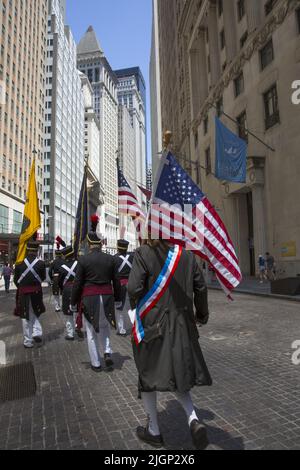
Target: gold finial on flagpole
x=167 y=139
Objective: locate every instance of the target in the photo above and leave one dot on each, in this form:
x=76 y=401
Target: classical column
x=253 y=8
x=230 y=29
x=198 y=73
x=259 y=219
x=213 y=36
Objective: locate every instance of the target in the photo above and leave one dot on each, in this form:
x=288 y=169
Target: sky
x=123 y=28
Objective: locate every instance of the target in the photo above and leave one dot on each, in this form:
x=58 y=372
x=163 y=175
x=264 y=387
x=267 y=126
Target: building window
x=220 y=7
x=222 y=39
x=219 y=107
x=242 y=126
x=298 y=19
x=267 y=54
x=243 y=39
x=239 y=85
x=3 y=219
x=241 y=9
x=17 y=222
x=271 y=107
x=207 y=161
x=269 y=6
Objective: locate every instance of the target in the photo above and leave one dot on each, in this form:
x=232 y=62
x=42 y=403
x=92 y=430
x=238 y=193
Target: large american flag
x=128 y=204
x=181 y=213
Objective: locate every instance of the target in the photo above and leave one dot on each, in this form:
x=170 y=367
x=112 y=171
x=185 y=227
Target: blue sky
x=123 y=28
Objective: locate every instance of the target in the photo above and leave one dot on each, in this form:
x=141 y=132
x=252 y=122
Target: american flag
x=181 y=213
x=128 y=203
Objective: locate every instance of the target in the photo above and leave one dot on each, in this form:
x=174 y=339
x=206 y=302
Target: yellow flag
x=32 y=216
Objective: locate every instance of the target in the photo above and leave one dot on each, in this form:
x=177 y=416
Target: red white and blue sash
x=156 y=292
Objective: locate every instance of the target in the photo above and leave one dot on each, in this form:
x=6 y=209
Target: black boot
x=108 y=360
x=199 y=435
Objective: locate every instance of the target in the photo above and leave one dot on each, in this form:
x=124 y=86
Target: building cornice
x=255 y=42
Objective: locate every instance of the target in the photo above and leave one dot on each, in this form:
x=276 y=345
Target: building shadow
x=177 y=436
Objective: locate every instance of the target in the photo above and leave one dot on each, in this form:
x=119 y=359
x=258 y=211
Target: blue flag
x=81 y=228
x=231 y=155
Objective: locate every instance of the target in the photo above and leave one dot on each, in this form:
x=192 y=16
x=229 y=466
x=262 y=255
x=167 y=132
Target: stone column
x=259 y=218
x=230 y=29
x=214 y=52
x=198 y=73
x=253 y=8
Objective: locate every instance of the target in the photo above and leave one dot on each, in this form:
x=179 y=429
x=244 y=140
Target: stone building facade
x=238 y=58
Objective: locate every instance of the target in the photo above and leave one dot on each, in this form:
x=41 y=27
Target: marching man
x=124 y=263
x=96 y=286
x=54 y=274
x=28 y=278
x=67 y=274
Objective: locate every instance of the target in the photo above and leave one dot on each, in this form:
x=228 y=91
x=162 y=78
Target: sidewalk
x=252 y=286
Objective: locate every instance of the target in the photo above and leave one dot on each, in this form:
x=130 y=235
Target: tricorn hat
x=93 y=239
x=67 y=252
x=123 y=245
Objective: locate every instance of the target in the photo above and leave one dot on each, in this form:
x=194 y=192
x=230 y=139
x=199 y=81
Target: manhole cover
x=17 y=382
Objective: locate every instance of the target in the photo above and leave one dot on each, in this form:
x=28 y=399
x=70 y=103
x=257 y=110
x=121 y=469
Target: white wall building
x=92 y=62
x=64 y=128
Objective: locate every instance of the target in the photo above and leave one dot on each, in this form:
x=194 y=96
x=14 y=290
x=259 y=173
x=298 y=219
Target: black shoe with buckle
x=69 y=338
x=37 y=339
x=144 y=435
x=199 y=435
x=108 y=360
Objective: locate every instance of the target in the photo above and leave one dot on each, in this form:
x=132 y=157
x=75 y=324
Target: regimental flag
x=128 y=203
x=182 y=214
x=231 y=155
x=31 y=218
x=82 y=216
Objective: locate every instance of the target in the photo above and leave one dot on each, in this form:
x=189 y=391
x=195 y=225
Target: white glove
x=118 y=305
x=73 y=308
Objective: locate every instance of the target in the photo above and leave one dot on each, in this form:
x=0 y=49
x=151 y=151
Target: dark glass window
x=243 y=39
x=220 y=107
x=272 y=116
x=267 y=54
x=298 y=19
x=220 y=7
x=242 y=126
x=207 y=161
x=222 y=39
x=241 y=9
x=239 y=85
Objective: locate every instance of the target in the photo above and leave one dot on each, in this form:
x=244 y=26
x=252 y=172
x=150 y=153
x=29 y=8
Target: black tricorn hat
x=32 y=246
x=123 y=245
x=93 y=239
x=67 y=252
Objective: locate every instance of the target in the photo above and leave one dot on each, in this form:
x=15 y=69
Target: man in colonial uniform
x=28 y=278
x=67 y=274
x=54 y=276
x=97 y=288
x=124 y=263
x=168 y=291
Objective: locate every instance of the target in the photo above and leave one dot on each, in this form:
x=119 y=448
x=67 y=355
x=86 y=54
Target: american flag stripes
x=181 y=213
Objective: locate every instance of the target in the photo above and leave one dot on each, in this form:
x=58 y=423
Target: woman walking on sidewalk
x=165 y=285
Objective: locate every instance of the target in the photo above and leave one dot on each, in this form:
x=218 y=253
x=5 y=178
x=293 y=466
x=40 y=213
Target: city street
x=254 y=402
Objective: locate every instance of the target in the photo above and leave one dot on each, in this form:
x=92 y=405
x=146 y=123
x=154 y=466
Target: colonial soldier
x=54 y=276
x=28 y=278
x=124 y=262
x=96 y=286
x=164 y=286
x=67 y=274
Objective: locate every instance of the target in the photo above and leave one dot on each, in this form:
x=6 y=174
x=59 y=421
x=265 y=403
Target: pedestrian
x=28 y=278
x=270 y=265
x=54 y=276
x=262 y=268
x=67 y=274
x=165 y=285
x=96 y=287
x=6 y=274
x=124 y=264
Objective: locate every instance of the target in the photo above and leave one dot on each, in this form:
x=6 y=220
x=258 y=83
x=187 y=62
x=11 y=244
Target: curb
x=260 y=294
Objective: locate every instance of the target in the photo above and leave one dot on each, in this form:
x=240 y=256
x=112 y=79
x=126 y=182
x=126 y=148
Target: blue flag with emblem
x=231 y=155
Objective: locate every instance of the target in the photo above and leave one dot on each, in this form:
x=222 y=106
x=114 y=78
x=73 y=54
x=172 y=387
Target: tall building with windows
x=93 y=63
x=132 y=95
x=64 y=128
x=22 y=61
x=238 y=57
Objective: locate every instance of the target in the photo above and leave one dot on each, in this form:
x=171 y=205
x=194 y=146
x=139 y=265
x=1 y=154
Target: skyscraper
x=132 y=95
x=93 y=63
x=64 y=128
x=22 y=60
